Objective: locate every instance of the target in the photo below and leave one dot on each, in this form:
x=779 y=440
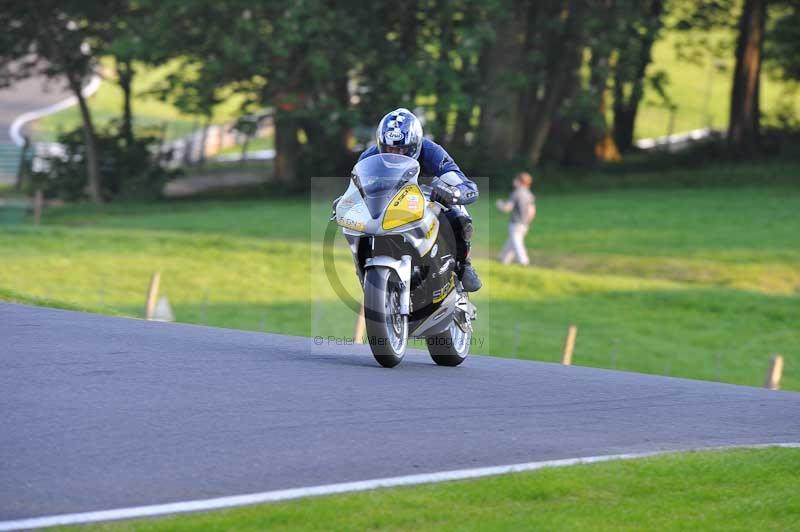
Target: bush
x=127 y=170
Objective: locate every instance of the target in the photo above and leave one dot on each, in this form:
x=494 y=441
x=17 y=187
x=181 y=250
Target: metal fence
x=9 y=163
x=220 y=142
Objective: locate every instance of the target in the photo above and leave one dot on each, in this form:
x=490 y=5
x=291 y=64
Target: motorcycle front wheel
x=387 y=329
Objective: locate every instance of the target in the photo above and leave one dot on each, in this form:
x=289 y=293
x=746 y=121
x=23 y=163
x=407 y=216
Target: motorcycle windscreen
x=380 y=176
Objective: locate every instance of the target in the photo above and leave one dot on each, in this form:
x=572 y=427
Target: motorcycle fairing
x=407 y=206
x=355 y=219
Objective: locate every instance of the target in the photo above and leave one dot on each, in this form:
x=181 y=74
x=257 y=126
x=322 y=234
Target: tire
x=451 y=347
x=387 y=330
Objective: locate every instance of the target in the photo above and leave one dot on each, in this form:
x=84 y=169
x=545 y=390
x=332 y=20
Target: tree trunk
x=540 y=129
x=287 y=149
x=442 y=87
x=203 y=141
x=499 y=102
x=624 y=120
x=188 y=146
x=23 y=168
x=74 y=81
x=560 y=79
x=583 y=149
x=626 y=110
x=346 y=139
x=245 y=145
x=125 y=74
x=534 y=60
x=744 y=125
x=90 y=138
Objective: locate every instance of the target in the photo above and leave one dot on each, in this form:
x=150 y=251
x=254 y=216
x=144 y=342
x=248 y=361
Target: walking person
x=522 y=206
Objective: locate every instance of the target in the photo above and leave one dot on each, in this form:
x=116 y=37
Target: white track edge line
x=21 y=120
x=345 y=487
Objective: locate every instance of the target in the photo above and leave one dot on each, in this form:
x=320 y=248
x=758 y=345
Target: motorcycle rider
x=400 y=132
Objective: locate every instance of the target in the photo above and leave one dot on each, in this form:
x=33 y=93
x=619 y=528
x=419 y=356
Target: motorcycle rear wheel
x=387 y=329
x=451 y=347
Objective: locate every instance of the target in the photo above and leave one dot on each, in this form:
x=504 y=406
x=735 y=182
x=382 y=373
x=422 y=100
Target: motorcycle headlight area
x=407 y=206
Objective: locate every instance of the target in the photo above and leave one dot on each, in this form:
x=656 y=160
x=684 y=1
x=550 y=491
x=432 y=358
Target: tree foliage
x=502 y=83
x=782 y=47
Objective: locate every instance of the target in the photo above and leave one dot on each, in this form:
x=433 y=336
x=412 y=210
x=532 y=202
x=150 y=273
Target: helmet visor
x=405 y=149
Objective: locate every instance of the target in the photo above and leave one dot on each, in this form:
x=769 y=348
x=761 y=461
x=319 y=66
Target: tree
x=132 y=40
x=744 y=125
x=588 y=107
x=504 y=81
x=565 y=36
x=471 y=34
x=58 y=40
x=782 y=40
x=293 y=58
x=530 y=70
x=643 y=21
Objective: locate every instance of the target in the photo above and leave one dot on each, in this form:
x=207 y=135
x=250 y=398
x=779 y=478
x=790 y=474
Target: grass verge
x=730 y=490
x=23 y=299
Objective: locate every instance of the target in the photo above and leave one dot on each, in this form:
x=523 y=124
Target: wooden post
x=152 y=296
x=361 y=325
x=38 y=203
x=569 y=345
x=774 y=374
x=516 y=340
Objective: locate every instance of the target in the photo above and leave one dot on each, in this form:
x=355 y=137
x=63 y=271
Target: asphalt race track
x=27 y=95
x=100 y=413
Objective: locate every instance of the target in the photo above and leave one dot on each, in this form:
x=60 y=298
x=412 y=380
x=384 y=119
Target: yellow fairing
x=406 y=206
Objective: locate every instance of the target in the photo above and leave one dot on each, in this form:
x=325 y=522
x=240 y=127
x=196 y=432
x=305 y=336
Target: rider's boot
x=469 y=277
x=466 y=272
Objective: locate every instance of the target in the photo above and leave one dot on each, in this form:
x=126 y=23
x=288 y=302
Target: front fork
x=403 y=269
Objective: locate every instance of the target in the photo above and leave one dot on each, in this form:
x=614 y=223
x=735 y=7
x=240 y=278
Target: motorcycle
x=405 y=256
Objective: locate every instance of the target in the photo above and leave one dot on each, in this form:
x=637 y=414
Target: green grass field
x=701 y=283
x=732 y=490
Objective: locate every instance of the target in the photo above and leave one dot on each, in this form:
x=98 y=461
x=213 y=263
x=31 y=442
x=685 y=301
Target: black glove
x=445 y=194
